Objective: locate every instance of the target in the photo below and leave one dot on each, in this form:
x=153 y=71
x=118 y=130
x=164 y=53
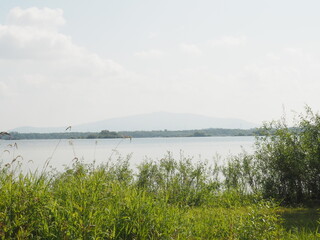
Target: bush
x=174 y=200
x=289 y=159
x=178 y=182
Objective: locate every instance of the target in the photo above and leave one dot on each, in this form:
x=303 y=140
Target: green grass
x=300 y=222
x=168 y=199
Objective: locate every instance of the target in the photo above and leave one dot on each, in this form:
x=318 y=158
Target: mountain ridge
x=149 y=122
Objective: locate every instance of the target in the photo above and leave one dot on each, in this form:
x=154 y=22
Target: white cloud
x=4 y=90
x=152 y=35
x=46 y=72
x=149 y=53
x=191 y=49
x=229 y=41
x=36 y=17
x=293 y=51
x=46 y=47
x=272 y=56
x=260 y=87
x=289 y=77
x=23 y=42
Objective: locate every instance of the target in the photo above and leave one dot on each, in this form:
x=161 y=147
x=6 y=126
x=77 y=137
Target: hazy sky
x=70 y=62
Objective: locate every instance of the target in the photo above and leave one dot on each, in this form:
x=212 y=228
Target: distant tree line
x=135 y=134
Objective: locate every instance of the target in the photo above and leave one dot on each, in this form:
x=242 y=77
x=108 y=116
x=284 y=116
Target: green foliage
x=168 y=199
x=104 y=134
x=192 y=133
x=289 y=159
x=300 y=218
x=257 y=221
x=134 y=134
x=242 y=173
x=285 y=165
x=180 y=182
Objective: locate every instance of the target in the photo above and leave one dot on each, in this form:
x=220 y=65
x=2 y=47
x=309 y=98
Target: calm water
x=34 y=153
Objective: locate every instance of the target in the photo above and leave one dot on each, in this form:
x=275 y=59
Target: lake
x=34 y=153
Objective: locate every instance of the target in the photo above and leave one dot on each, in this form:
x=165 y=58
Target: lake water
x=34 y=153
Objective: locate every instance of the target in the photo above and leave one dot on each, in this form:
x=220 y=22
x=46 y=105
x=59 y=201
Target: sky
x=70 y=62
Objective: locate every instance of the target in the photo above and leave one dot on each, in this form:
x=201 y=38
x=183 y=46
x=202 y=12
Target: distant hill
x=149 y=122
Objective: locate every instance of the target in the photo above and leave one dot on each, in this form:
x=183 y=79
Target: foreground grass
x=300 y=222
x=164 y=200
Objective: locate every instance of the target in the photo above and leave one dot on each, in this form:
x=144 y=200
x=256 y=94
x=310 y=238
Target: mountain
x=149 y=122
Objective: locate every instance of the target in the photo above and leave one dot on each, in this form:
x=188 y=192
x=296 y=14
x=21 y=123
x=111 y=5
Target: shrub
x=180 y=182
x=289 y=159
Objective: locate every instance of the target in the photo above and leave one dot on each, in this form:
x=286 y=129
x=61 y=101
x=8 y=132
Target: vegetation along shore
x=211 y=132
x=271 y=194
